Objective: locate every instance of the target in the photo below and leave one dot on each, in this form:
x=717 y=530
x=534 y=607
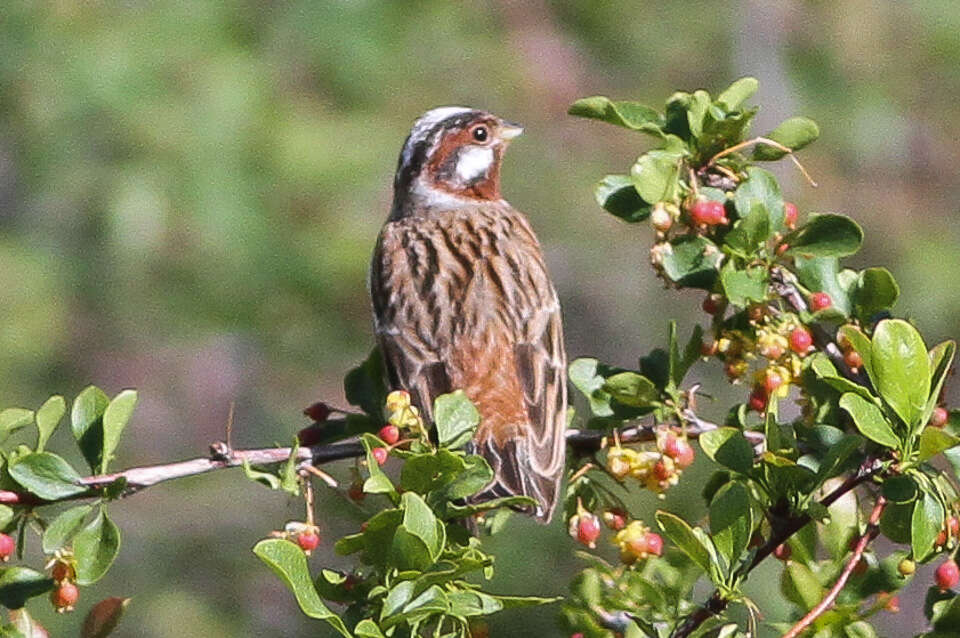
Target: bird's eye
x=481 y=133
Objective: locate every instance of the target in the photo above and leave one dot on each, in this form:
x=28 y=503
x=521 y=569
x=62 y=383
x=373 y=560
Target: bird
x=462 y=300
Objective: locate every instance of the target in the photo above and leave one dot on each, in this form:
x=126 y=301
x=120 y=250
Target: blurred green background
x=190 y=192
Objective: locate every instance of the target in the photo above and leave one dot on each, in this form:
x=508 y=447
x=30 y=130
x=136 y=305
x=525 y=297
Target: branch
x=872 y=530
x=222 y=457
x=717 y=603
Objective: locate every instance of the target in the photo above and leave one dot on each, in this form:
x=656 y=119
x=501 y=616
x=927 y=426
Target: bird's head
x=452 y=155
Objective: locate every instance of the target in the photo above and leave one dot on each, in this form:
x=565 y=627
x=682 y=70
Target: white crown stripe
x=426 y=123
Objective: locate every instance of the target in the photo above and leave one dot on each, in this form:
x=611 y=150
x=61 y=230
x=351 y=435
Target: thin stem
x=872 y=530
x=768 y=142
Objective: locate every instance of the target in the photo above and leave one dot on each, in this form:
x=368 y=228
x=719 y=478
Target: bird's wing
x=468 y=305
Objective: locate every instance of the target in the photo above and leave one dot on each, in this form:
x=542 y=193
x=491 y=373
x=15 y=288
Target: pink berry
x=390 y=434
x=319 y=412
x=893 y=605
x=758 y=400
x=380 y=454
x=615 y=519
x=679 y=450
x=953 y=524
x=853 y=359
x=782 y=552
x=790 y=215
x=800 y=340
x=64 y=597
x=939 y=417
x=308 y=541
x=819 y=301
x=947 y=575
x=771 y=382
x=588 y=529
x=654 y=543
x=7 y=546
x=708 y=213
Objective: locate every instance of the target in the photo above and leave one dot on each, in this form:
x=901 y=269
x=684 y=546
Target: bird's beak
x=509 y=130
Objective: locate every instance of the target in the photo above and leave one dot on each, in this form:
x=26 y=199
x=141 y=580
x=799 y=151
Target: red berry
x=782 y=552
x=708 y=348
x=953 y=524
x=708 y=213
x=588 y=529
x=800 y=340
x=310 y=435
x=939 y=417
x=758 y=400
x=390 y=434
x=308 y=541
x=319 y=412
x=893 y=605
x=941 y=538
x=790 y=214
x=615 y=519
x=947 y=575
x=661 y=471
x=7 y=546
x=713 y=304
x=64 y=597
x=654 y=543
x=853 y=359
x=772 y=381
x=819 y=301
x=62 y=571
x=756 y=540
x=356 y=493
x=679 y=450
x=579 y=634
x=380 y=454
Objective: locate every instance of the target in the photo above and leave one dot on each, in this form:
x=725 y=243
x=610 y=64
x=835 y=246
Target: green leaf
x=794 y=133
x=104 y=617
x=749 y=232
x=728 y=447
x=681 y=535
x=825 y=235
x=453 y=475
x=933 y=441
x=743 y=286
x=808 y=589
x=899 y=359
x=617 y=195
x=95 y=547
x=731 y=521
x=869 y=420
x=941 y=360
x=823 y=274
x=46 y=475
x=19 y=584
x=13 y=419
x=23 y=626
x=289 y=481
x=289 y=563
x=378 y=482
x=420 y=521
x=738 y=93
x=264 y=478
x=366 y=628
x=48 y=418
x=364 y=385
x=456 y=419
x=692 y=262
x=630 y=388
x=760 y=187
x=837 y=455
x=946 y=615
x=859 y=629
x=631 y=115
x=115 y=419
x=62 y=529
x=584 y=375
x=697 y=109
x=861 y=343
x=896 y=522
x=86 y=421
x=926 y=523
x=656 y=176
x=900 y=489
x=876 y=292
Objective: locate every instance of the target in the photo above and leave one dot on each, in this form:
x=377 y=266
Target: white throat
x=473 y=162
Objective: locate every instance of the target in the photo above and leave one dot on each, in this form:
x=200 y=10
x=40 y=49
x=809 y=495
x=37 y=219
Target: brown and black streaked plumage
x=462 y=300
